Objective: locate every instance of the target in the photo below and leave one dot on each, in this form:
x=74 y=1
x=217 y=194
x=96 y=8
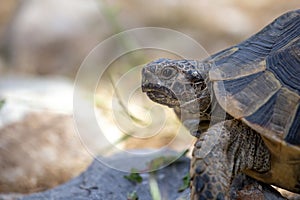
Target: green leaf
x=134 y=176
x=186 y=182
x=2 y=102
x=132 y=196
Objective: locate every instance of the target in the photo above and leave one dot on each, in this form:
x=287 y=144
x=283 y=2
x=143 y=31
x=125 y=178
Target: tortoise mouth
x=161 y=95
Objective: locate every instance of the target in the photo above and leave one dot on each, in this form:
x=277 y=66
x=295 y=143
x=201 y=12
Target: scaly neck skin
x=195 y=114
x=194 y=117
x=199 y=112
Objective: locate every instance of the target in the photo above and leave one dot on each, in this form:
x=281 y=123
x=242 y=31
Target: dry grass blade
x=121 y=103
x=154 y=189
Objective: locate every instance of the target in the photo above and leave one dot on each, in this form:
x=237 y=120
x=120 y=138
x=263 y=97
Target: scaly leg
x=225 y=150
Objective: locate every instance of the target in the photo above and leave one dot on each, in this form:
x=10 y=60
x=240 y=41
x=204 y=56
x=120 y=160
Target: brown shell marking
x=250 y=98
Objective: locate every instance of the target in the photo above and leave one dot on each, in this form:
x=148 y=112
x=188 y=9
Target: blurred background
x=44 y=43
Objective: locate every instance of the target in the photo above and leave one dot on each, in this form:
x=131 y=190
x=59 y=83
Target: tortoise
x=257 y=85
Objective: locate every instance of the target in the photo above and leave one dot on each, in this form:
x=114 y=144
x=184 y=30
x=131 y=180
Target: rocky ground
x=102 y=182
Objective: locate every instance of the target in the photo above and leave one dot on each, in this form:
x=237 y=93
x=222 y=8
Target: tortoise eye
x=168 y=72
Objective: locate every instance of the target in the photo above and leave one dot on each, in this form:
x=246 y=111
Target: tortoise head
x=176 y=83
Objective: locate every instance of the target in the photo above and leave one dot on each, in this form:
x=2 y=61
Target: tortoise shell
x=258 y=80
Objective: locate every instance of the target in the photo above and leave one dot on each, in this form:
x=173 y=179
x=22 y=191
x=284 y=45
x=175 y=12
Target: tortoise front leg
x=225 y=150
x=210 y=174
